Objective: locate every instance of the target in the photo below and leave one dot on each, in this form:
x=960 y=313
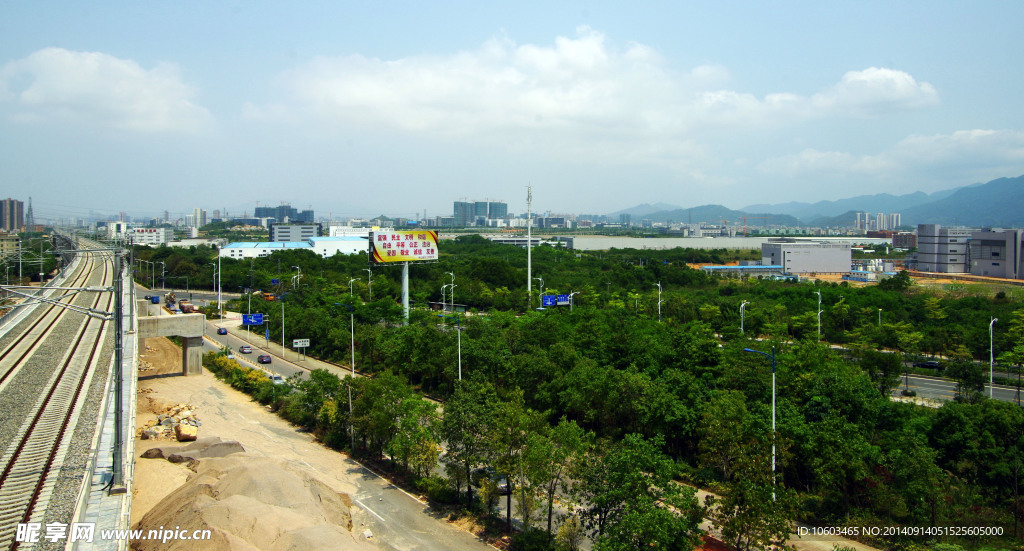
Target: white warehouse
x=323 y=246
x=802 y=257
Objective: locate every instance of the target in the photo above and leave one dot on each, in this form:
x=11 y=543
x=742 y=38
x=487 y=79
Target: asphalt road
x=935 y=388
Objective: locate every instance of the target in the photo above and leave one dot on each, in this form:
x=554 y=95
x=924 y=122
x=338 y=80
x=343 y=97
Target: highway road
x=936 y=388
x=397 y=519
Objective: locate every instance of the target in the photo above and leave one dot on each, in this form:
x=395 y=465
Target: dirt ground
x=223 y=412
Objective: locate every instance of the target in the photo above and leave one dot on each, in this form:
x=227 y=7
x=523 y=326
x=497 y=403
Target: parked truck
x=186 y=307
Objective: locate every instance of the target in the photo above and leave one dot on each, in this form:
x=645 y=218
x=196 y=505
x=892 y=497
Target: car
x=930 y=364
x=222 y=331
x=230 y=356
x=276 y=379
x=245 y=349
x=263 y=358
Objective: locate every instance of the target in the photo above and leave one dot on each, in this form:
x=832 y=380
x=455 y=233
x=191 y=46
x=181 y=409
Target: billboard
x=403 y=246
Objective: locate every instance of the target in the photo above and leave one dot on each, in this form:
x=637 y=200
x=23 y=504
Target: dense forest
x=609 y=405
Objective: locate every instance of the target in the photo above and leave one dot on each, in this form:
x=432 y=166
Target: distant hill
x=881 y=202
x=999 y=203
x=643 y=210
x=715 y=214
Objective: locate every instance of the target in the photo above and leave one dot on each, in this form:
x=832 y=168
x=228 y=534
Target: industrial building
x=942 y=250
x=996 y=252
x=803 y=257
x=294 y=232
x=151 y=236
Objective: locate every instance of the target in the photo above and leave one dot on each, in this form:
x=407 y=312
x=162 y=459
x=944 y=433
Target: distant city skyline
x=359 y=110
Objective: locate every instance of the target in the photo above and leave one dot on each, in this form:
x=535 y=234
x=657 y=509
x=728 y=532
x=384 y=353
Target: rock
x=167 y=422
x=186 y=433
x=151 y=433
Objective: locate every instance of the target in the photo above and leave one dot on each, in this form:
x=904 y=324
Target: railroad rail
x=46 y=370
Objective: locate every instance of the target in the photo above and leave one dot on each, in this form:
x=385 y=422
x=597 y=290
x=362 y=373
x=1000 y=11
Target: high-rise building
x=12 y=216
x=198 y=218
x=284 y=213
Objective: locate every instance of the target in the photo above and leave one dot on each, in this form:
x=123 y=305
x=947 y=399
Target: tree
x=466 y=429
x=622 y=484
x=549 y=459
x=883 y=368
x=511 y=426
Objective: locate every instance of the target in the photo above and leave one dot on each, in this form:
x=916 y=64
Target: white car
x=276 y=379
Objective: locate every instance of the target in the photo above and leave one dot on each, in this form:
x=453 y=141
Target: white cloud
x=959 y=153
x=877 y=91
x=578 y=98
x=96 y=88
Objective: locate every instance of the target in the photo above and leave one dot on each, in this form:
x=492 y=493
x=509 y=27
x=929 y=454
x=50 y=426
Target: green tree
x=550 y=458
x=620 y=486
x=466 y=430
x=511 y=426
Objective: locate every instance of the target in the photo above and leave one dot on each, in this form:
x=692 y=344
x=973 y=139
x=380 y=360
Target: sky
x=401 y=108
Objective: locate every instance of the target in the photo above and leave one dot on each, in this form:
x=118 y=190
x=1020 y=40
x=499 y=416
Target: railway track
x=47 y=369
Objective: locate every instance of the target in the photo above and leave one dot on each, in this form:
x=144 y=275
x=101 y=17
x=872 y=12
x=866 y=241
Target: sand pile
x=249 y=503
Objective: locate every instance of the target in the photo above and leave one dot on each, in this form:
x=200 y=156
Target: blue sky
x=402 y=108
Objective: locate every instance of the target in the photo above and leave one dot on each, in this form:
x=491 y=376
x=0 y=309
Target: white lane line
x=363 y=505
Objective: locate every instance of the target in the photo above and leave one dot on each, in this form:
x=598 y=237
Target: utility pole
x=529 y=248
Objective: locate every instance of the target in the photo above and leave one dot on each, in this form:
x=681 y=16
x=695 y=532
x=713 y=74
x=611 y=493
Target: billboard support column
x=405 y=291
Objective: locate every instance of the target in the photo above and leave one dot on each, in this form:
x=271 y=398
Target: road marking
x=363 y=505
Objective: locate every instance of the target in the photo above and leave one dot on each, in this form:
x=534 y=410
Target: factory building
x=802 y=257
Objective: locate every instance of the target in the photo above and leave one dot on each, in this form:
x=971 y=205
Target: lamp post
x=352 y=365
x=658 y=285
x=743 y=307
x=879 y=318
x=444 y=305
x=451 y=296
x=369 y=283
x=297 y=278
x=819 y=315
x=458 y=329
x=772 y=356
x=991 y=360
x=163 y=269
x=541 y=292
x=220 y=288
x=572 y=294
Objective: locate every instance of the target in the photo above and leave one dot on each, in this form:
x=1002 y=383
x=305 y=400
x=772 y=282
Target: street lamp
x=451 y=297
x=297 y=278
x=772 y=356
x=369 y=282
x=350 y=286
x=352 y=365
x=444 y=305
x=163 y=282
x=879 y=318
x=541 y=292
x=572 y=294
x=990 y=357
x=743 y=307
x=658 y=285
x=819 y=315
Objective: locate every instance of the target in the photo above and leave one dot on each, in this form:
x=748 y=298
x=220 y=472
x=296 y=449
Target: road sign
x=252 y=319
x=547 y=300
x=562 y=300
x=300 y=343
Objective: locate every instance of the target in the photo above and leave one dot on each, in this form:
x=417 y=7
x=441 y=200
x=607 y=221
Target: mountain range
x=998 y=203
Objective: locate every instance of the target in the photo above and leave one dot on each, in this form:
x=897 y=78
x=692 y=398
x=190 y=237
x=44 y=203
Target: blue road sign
x=562 y=300
x=252 y=319
x=547 y=300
